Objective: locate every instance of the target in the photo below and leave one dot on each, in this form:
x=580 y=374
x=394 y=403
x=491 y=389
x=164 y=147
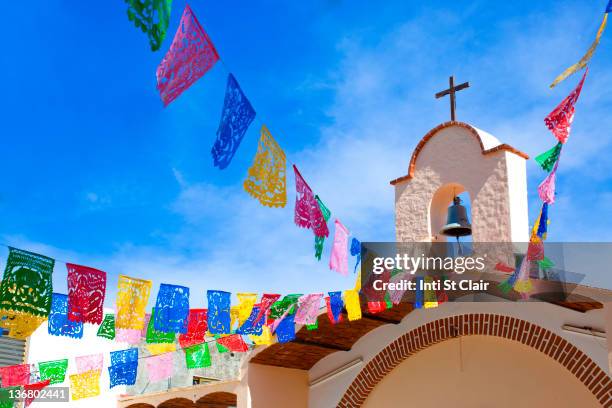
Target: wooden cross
x=451 y=91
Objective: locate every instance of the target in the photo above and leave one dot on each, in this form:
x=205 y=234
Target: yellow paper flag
x=430 y=297
x=266 y=178
x=20 y=325
x=245 y=305
x=132 y=297
x=85 y=385
x=585 y=58
x=351 y=302
x=160 y=348
x=265 y=339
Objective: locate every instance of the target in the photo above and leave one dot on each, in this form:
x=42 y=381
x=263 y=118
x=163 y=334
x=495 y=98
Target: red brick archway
x=539 y=338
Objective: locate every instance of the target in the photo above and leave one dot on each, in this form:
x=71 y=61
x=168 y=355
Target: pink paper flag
x=129 y=336
x=559 y=121
x=546 y=189
x=339 y=256
x=160 y=367
x=143 y=331
x=308 y=308
x=190 y=56
x=396 y=295
x=308 y=214
x=90 y=362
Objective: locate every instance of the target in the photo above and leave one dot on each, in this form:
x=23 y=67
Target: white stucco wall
x=44 y=347
x=551 y=317
x=495 y=182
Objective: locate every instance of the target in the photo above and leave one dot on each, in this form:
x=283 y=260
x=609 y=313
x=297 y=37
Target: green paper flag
x=313 y=326
x=152 y=17
x=546 y=263
x=107 y=328
x=279 y=307
x=197 y=356
x=320 y=240
x=26 y=285
x=220 y=347
x=54 y=371
x=548 y=159
x=156 y=336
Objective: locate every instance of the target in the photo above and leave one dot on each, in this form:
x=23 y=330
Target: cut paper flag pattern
x=338 y=260
x=319 y=241
x=129 y=336
x=196 y=328
x=152 y=18
x=587 y=56
x=308 y=214
x=267 y=177
x=351 y=302
x=548 y=159
x=219 y=320
x=20 y=325
x=171 y=309
x=107 y=328
x=251 y=326
x=132 y=298
x=190 y=56
x=308 y=308
x=546 y=189
x=197 y=356
x=559 y=121
x=85 y=385
x=86 y=292
x=124 y=367
x=156 y=336
x=59 y=324
x=26 y=285
x=54 y=371
x=246 y=301
x=334 y=306
x=236 y=117
x=15 y=375
x=160 y=367
x=90 y=362
x=234 y=343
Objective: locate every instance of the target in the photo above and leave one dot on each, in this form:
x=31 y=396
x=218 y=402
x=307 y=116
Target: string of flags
x=27 y=299
x=559 y=122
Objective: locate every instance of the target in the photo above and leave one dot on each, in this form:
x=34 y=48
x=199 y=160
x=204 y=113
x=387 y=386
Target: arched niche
x=438 y=208
x=177 y=403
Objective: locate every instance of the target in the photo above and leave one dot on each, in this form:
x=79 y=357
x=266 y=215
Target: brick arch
x=574 y=360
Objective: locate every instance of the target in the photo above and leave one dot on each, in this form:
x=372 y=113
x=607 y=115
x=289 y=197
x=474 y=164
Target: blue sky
x=98 y=172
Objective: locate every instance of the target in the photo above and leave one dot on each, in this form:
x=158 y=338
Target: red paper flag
x=502 y=267
x=559 y=121
x=266 y=302
x=190 y=56
x=86 y=292
x=34 y=388
x=197 y=324
x=234 y=342
x=15 y=375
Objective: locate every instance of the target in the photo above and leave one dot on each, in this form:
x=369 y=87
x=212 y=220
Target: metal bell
x=457 y=223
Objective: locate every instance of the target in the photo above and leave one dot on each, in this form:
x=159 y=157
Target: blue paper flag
x=543 y=226
x=356 y=251
x=171 y=309
x=285 y=331
x=124 y=367
x=336 y=304
x=59 y=324
x=249 y=326
x=236 y=117
x=219 y=319
x=418 y=294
